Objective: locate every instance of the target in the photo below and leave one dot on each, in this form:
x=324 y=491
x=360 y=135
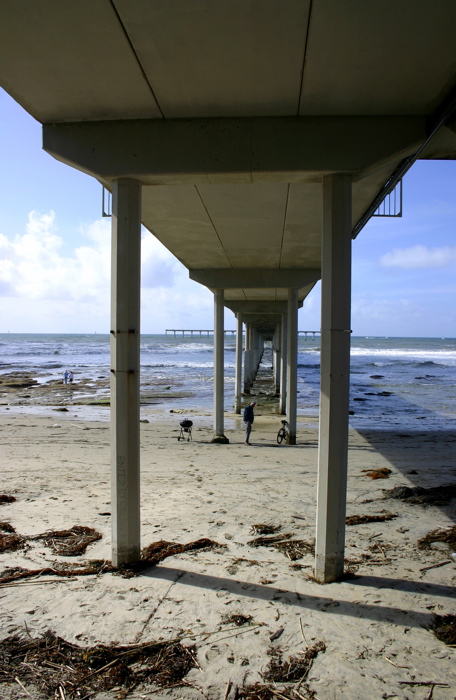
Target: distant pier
x=306 y=333
x=191 y=333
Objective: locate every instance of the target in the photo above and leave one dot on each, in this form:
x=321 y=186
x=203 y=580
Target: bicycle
x=283 y=432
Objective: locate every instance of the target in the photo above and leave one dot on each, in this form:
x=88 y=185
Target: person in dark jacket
x=248 y=421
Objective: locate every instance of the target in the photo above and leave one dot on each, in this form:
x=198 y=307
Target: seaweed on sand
x=293 y=670
x=9 y=540
x=93 y=567
x=237 y=619
x=70 y=543
x=260 y=691
x=293 y=549
x=296 y=549
x=296 y=668
x=269 y=541
x=444 y=628
x=361 y=519
x=434 y=496
x=150 y=556
x=447 y=535
x=377 y=473
x=157 y=551
x=265 y=529
x=11 y=543
x=50 y=664
x=6 y=499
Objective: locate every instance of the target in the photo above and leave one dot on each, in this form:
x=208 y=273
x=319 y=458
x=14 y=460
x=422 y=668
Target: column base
x=220 y=440
x=129 y=555
x=328 y=569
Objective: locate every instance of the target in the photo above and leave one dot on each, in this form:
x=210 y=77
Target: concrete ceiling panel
x=230 y=57
x=384 y=58
x=245 y=257
x=308 y=255
x=177 y=217
x=249 y=221
x=70 y=61
x=250 y=257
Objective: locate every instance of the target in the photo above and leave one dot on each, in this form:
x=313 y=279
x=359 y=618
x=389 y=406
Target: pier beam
x=334 y=378
x=219 y=362
x=238 y=372
x=125 y=315
x=292 y=365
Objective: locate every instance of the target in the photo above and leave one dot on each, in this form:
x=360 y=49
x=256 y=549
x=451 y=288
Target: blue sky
x=55 y=254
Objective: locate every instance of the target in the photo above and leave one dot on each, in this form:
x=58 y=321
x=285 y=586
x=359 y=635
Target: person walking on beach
x=248 y=421
x=65 y=377
x=70 y=377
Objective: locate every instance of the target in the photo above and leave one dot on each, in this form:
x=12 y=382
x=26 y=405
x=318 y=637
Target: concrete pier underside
x=254 y=140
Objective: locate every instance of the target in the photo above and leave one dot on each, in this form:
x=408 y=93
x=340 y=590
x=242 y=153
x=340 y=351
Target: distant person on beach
x=248 y=421
x=65 y=377
x=70 y=377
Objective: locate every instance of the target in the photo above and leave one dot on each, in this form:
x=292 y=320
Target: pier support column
x=276 y=352
x=219 y=366
x=248 y=358
x=283 y=365
x=125 y=314
x=292 y=365
x=334 y=378
x=255 y=352
x=238 y=373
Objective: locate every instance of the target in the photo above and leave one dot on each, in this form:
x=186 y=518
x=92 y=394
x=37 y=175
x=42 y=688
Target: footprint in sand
x=212 y=653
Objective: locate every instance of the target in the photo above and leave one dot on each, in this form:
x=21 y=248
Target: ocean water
x=395 y=382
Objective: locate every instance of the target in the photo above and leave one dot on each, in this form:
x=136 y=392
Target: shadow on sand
x=322 y=602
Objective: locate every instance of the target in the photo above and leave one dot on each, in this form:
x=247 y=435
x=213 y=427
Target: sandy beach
x=238 y=607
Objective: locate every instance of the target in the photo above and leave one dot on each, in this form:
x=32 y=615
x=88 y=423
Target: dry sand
x=374 y=625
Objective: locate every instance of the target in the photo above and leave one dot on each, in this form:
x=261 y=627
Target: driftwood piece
x=394 y=664
x=444 y=685
x=278 y=633
x=436 y=566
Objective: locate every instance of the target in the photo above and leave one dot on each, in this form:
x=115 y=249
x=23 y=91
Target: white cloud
x=43 y=290
x=33 y=268
x=159 y=267
x=368 y=308
x=419 y=256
